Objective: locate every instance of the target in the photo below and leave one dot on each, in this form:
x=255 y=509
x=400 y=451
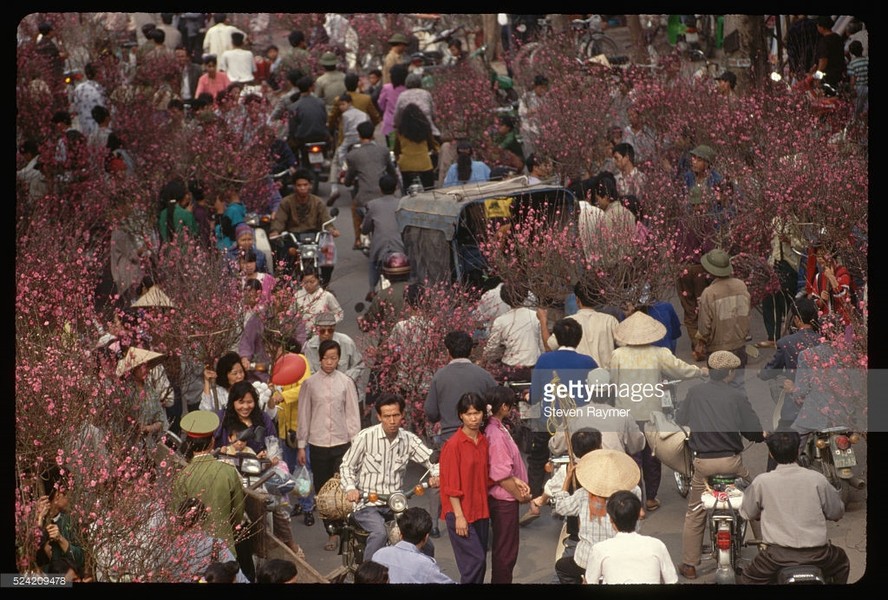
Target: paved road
x=538 y=539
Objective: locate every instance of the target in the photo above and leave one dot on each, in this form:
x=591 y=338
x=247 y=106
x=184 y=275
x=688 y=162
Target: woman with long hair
x=414 y=146
x=466 y=169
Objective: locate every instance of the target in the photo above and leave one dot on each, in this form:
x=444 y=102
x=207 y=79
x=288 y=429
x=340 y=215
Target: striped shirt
x=858 y=68
x=374 y=463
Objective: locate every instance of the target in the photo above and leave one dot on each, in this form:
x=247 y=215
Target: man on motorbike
x=376 y=462
x=793 y=504
x=307 y=120
x=380 y=222
x=717 y=414
x=367 y=163
x=298 y=212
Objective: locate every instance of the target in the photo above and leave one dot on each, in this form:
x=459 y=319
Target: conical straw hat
x=154 y=297
x=639 y=329
x=603 y=472
x=135 y=357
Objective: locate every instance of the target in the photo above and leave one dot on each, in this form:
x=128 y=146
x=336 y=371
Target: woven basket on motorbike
x=331 y=501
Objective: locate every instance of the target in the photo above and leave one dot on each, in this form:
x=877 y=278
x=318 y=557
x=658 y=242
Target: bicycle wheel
x=600 y=44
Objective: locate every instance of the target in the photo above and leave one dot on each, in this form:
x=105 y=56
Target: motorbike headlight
x=251 y=466
x=398 y=502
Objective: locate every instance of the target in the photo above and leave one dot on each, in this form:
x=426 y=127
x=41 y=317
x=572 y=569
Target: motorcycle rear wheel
x=682 y=484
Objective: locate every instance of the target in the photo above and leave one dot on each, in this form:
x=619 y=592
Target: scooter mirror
x=359 y=307
x=502 y=19
x=334 y=212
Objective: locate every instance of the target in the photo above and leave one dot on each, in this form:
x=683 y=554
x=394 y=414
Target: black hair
x=585 y=440
x=158 y=36
x=328 y=345
x=398 y=74
x=498 y=396
x=89 y=70
x=167 y=18
x=507 y=121
x=304 y=83
x=365 y=130
x=210 y=59
x=223 y=367
x=296 y=37
x=174 y=191
x=386 y=398
x=239 y=391
x=377 y=72
x=44 y=28
x=276 y=570
x=30 y=146
x=511 y=295
x=568 y=332
x=252 y=284
x=190 y=445
x=806 y=311
x=61 y=116
x=625 y=149
x=624 y=508
x=387 y=183
x=249 y=255
x=784 y=446
x=458 y=343
x=825 y=21
x=351 y=81
x=415 y=524
x=855 y=48
x=221 y=572
x=237 y=38
x=463 y=160
x=415 y=125
x=718 y=374
x=302 y=173
x=371 y=571
x=175 y=104
x=471 y=400
x=220 y=17
x=606 y=185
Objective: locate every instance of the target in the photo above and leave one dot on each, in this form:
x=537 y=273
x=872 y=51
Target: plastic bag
x=302 y=477
x=280 y=483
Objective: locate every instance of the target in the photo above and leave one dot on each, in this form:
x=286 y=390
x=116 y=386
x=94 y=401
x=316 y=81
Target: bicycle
x=589 y=41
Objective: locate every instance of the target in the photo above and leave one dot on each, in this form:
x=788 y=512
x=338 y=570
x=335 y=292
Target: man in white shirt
x=238 y=63
x=407 y=560
x=218 y=37
x=514 y=344
x=629 y=557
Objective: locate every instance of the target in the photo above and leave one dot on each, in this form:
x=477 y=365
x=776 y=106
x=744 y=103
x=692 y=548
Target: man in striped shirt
x=376 y=462
x=858 y=73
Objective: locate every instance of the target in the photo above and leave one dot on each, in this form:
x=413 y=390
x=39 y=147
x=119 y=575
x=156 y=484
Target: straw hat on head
x=135 y=357
x=603 y=472
x=154 y=297
x=723 y=359
x=639 y=329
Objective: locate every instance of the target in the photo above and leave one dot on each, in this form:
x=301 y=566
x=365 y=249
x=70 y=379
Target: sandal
x=652 y=505
x=766 y=344
x=332 y=543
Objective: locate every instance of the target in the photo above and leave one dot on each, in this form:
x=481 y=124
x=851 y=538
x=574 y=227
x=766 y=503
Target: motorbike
x=353 y=538
x=831 y=452
x=721 y=499
x=304 y=250
x=682 y=477
x=316 y=161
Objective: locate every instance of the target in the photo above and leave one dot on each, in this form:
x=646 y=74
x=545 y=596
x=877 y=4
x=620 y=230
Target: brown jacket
x=723 y=321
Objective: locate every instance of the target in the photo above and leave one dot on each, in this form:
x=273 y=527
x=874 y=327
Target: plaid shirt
x=592 y=530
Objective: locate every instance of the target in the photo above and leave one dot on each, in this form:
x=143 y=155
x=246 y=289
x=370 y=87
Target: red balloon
x=288 y=369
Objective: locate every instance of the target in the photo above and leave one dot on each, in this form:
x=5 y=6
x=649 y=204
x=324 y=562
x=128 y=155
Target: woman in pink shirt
x=508 y=476
x=213 y=81
x=388 y=98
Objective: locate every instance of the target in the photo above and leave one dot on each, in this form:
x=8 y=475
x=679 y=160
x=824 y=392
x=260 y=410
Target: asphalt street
x=539 y=538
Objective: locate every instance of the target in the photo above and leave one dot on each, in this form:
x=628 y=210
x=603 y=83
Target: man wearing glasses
x=351 y=361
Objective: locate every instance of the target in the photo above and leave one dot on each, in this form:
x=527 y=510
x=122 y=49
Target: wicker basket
x=331 y=501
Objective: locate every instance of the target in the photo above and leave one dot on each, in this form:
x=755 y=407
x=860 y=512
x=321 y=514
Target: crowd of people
x=315 y=396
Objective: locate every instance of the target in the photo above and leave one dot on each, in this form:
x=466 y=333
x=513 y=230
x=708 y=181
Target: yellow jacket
x=288 y=410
